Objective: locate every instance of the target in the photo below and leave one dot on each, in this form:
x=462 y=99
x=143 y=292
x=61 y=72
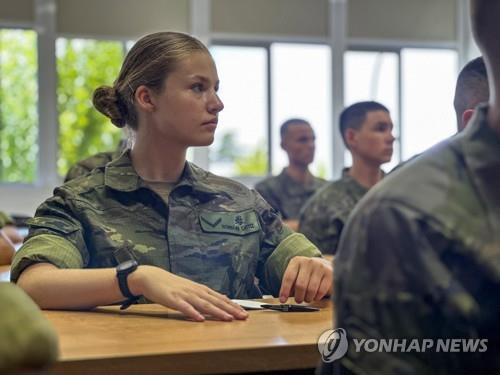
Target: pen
x=290 y=308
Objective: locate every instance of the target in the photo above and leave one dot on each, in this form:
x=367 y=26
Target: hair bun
x=108 y=101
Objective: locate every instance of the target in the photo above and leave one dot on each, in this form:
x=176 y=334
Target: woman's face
x=186 y=109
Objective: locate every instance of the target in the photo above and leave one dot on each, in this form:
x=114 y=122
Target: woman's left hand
x=307 y=279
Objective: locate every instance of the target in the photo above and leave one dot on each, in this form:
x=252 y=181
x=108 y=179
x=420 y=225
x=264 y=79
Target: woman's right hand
x=186 y=296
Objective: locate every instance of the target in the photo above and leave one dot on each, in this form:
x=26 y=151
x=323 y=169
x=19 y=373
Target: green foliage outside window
x=251 y=162
x=83 y=65
x=18 y=106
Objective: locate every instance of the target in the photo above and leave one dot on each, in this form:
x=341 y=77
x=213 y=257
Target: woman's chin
x=205 y=140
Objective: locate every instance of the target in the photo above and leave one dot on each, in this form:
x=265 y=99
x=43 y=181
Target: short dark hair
x=472 y=87
x=352 y=117
x=284 y=127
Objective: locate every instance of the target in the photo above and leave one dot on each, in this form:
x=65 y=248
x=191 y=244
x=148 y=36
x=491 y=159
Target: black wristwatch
x=122 y=271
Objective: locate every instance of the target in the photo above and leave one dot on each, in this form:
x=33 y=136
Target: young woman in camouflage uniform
x=198 y=238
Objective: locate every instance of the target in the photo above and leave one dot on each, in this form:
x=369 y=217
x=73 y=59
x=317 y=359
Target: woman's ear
x=144 y=98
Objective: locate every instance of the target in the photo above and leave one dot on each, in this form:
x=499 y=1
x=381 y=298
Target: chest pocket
x=236 y=223
x=229 y=252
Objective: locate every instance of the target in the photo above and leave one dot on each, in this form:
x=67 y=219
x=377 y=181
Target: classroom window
x=372 y=75
x=428 y=82
x=82 y=66
x=297 y=87
x=416 y=85
x=301 y=87
x=18 y=106
x=240 y=145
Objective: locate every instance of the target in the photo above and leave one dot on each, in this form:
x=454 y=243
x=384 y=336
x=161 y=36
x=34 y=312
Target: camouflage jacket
x=324 y=215
x=27 y=341
x=4 y=219
x=286 y=195
x=420 y=258
x=213 y=230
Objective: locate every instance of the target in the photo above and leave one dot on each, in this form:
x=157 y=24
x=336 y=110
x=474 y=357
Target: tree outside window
x=82 y=66
x=18 y=106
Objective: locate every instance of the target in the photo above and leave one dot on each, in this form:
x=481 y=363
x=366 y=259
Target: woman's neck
x=155 y=160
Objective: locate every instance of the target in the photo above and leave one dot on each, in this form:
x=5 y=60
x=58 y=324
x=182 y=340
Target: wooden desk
x=150 y=339
x=4 y=273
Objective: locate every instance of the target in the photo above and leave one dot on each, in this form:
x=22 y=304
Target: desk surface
x=152 y=339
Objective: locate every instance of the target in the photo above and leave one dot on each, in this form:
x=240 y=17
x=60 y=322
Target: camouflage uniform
x=324 y=215
x=5 y=219
x=213 y=230
x=85 y=166
x=286 y=195
x=420 y=258
x=27 y=340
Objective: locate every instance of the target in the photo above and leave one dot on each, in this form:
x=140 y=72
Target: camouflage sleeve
x=320 y=226
x=55 y=236
x=4 y=219
x=278 y=245
x=293 y=245
x=390 y=283
x=27 y=341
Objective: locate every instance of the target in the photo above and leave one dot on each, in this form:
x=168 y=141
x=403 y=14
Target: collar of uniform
x=348 y=179
x=121 y=175
x=481 y=147
x=293 y=187
x=197 y=179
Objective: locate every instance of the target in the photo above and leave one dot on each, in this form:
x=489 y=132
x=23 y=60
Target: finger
x=187 y=309
x=325 y=287
x=314 y=283
x=302 y=281
x=224 y=303
x=288 y=280
x=205 y=306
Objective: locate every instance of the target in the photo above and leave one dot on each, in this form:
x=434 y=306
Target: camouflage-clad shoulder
x=324 y=215
x=87 y=165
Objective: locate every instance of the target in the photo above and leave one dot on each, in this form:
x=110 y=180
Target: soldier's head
x=168 y=80
x=298 y=141
x=366 y=128
x=472 y=88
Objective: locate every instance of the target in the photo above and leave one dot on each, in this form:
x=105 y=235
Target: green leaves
x=18 y=106
x=82 y=66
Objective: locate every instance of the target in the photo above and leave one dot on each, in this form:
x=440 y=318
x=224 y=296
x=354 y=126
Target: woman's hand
x=307 y=279
x=186 y=296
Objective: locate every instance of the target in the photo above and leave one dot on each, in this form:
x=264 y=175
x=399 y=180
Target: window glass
x=82 y=66
x=18 y=106
x=301 y=87
x=428 y=80
x=372 y=75
x=240 y=146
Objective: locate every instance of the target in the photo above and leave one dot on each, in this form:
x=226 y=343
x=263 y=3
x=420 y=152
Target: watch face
x=126 y=265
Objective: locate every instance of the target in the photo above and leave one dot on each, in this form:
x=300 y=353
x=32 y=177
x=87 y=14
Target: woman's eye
x=197 y=87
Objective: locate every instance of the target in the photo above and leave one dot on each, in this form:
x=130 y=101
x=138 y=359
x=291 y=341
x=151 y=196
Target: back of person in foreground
x=178 y=235
x=420 y=258
x=28 y=343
